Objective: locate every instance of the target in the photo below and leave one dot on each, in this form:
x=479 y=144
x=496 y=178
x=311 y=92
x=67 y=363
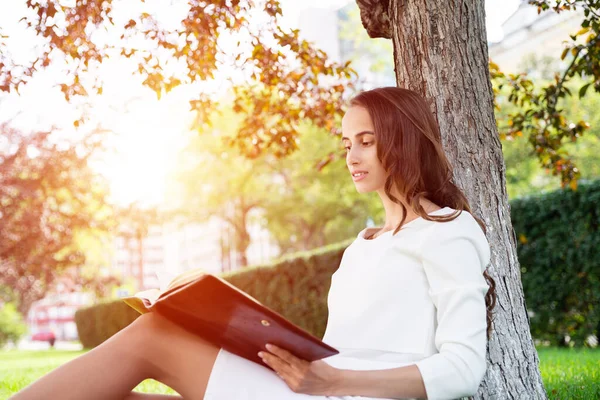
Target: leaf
x=522 y=239
x=573 y=184
x=564 y=53
x=584 y=89
x=590 y=38
x=583 y=31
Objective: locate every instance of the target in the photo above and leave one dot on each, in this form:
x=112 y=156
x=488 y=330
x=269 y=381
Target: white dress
x=416 y=297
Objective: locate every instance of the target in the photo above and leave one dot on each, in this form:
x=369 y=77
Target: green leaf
x=584 y=89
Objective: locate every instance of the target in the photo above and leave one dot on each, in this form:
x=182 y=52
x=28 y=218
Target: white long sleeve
x=414 y=298
x=454 y=257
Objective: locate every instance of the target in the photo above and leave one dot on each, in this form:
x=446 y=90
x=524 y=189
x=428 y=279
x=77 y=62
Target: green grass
x=567 y=373
x=19 y=368
x=571 y=373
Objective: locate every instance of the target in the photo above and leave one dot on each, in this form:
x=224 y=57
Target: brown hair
x=409 y=146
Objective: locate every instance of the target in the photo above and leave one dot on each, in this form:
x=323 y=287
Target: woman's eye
x=347 y=148
x=366 y=143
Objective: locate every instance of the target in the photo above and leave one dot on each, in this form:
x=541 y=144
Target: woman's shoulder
x=423 y=232
x=464 y=221
x=463 y=224
x=462 y=232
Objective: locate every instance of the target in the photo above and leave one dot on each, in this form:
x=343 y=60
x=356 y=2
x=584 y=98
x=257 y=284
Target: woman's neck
x=394 y=212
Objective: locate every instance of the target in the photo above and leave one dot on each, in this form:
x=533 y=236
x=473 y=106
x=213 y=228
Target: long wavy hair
x=409 y=146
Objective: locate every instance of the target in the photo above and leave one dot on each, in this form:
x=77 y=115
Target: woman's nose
x=352 y=159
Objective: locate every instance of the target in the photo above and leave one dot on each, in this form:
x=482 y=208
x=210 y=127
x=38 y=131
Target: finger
x=286 y=355
x=280 y=367
x=273 y=361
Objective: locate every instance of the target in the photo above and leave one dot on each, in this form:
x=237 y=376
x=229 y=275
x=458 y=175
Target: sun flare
x=147 y=136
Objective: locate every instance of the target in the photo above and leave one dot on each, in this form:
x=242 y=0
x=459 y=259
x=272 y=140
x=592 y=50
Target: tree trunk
x=242 y=235
x=440 y=51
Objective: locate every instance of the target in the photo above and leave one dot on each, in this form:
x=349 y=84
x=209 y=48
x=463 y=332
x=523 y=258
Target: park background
x=119 y=189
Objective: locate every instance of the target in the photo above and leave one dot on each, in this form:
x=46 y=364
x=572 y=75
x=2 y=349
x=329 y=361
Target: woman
x=408 y=306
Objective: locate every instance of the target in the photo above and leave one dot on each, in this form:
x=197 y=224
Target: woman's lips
x=359 y=176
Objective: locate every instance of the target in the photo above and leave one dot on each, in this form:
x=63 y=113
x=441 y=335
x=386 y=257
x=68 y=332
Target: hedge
x=97 y=323
x=295 y=286
x=557 y=242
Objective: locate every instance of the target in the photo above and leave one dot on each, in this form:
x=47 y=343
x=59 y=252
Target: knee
x=146 y=321
x=152 y=326
x=138 y=342
x=145 y=331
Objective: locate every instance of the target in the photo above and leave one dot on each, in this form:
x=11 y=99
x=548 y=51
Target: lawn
x=567 y=373
x=571 y=373
x=20 y=368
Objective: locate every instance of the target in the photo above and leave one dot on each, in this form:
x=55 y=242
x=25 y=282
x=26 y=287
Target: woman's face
x=361 y=151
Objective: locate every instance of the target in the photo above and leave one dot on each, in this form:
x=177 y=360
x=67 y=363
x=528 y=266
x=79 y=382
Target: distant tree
x=214 y=180
x=12 y=326
x=48 y=193
x=316 y=204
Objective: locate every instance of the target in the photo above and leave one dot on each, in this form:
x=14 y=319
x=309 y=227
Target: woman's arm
x=395 y=383
x=454 y=256
x=319 y=378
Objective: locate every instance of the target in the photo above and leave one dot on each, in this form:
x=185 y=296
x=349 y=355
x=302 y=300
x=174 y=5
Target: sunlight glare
x=148 y=135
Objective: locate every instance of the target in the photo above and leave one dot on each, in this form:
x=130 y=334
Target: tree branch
x=375 y=17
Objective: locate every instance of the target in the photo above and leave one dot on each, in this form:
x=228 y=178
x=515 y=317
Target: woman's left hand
x=316 y=377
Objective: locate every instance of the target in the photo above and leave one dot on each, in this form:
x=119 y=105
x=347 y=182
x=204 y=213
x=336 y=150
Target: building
x=173 y=248
x=136 y=260
x=527 y=33
x=209 y=246
x=56 y=311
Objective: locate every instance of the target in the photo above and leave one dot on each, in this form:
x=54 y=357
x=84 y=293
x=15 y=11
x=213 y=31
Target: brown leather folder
x=219 y=312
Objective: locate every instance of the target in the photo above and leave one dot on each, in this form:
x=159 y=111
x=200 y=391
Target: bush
x=11 y=324
x=97 y=323
x=295 y=287
x=557 y=241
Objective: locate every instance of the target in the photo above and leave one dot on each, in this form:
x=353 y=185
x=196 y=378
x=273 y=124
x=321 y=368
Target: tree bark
x=440 y=51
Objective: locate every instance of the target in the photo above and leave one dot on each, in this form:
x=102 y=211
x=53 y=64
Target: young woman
x=409 y=306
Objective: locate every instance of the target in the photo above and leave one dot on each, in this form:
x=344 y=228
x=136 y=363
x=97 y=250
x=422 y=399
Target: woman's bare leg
x=151 y=347
x=146 y=396
x=182 y=360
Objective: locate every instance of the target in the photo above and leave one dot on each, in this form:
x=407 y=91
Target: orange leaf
x=573 y=184
x=522 y=239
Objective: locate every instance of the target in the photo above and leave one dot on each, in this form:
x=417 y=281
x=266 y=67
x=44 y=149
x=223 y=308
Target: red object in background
x=54 y=316
x=44 y=336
